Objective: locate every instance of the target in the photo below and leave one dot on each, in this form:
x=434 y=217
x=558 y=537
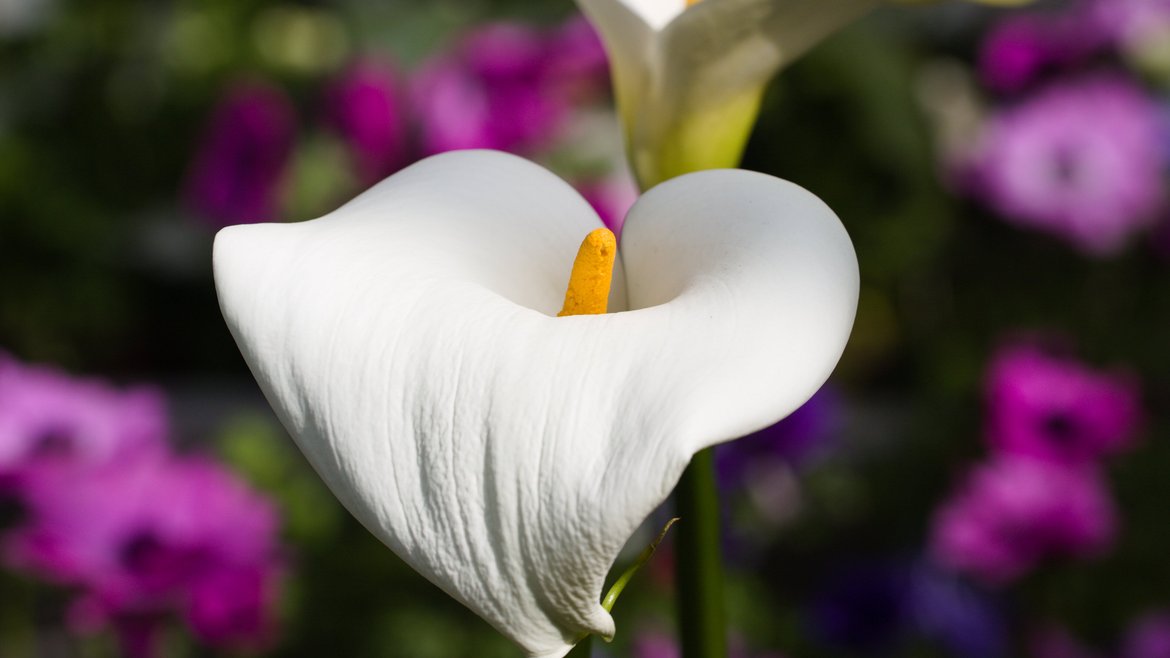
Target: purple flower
x=1056 y=408
x=143 y=539
x=577 y=65
x=1082 y=160
x=507 y=86
x=1160 y=239
x=1022 y=48
x=1128 y=21
x=795 y=440
x=956 y=615
x=1148 y=637
x=1013 y=512
x=48 y=417
x=366 y=108
x=1014 y=52
x=490 y=92
x=863 y=607
x=232 y=605
x=876 y=606
x=237 y=172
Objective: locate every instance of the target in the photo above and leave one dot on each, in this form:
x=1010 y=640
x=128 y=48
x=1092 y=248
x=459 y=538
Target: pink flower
x=1056 y=408
x=1014 y=53
x=238 y=170
x=1148 y=637
x=1023 y=47
x=143 y=539
x=507 y=86
x=366 y=108
x=490 y=92
x=1012 y=513
x=1126 y=21
x=1082 y=160
x=576 y=64
x=47 y=416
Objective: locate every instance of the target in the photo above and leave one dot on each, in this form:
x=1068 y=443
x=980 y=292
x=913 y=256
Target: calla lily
x=688 y=76
x=408 y=341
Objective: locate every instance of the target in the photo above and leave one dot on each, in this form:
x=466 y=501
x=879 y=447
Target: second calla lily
x=409 y=342
x=689 y=75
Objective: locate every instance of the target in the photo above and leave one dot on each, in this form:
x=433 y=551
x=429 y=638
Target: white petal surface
x=407 y=342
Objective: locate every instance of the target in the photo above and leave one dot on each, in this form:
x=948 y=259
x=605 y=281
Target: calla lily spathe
x=688 y=76
x=408 y=343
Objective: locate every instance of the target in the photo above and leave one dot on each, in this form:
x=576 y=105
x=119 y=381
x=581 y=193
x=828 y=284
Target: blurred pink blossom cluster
x=238 y=173
x=1051 y=421
x=1079 y=146
x=1127 y=24
x=507 y=86
x=1024 y=48
x=96 y=502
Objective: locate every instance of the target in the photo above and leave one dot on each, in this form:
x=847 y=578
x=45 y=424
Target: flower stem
x=698 y=564
x=619 y=585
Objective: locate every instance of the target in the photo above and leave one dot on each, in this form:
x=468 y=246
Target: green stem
x=698 y=565
x=619 y=585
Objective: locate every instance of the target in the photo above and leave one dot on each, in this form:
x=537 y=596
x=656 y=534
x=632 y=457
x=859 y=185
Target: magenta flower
x=47 y=416
x=1082 y=160
x=496 y=90
x=1022 y=48
x=1160 y=239
x=576 y=64
x=1014 y=53
x=1148 y=637
x=143 y=539
x=1128 y=21
x=1012 y=513
x=237 y=172
x=366 y=108
x=1056 y=408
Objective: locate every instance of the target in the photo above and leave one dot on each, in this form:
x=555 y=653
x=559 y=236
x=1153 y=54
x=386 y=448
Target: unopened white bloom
x=408 y=343
x=689 y=76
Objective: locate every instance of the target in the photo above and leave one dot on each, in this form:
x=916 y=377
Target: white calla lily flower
x=408 y=343
x=689 y=76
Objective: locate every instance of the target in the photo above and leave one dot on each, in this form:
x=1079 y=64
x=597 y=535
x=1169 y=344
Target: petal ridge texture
x=407 y=342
